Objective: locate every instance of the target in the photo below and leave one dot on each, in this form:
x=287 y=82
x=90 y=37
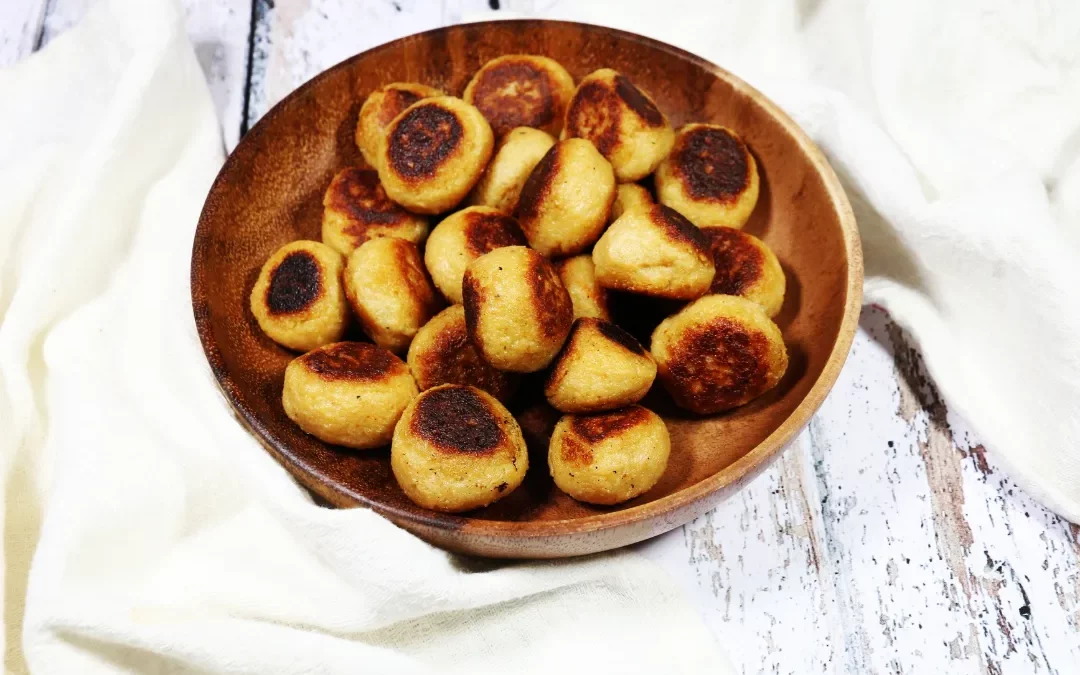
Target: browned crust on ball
x=408 y=260
x=456 y=419
x=576 y=453
x=711 y=164
x=601 y=426
x=538 y=185
x=295 y=283
x=395 y=100
x=472 y=296
x=552 y=306
x=637 y=101
x=606 y=328
x=422 y=140
x=531 y=105
x=678 y=228
x=358 y=194
x=594 y=114
x=353 y=361
x=485 y=232
x=739 y=263
x=725 y=360
x=452 y=359
x=619 y=336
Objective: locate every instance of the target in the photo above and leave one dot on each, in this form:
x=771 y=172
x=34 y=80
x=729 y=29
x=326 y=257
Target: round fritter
x=710 y=177
x=565 y=202
x=521 y=90
x=456 y=448
x=435 y=152
x=622 y=121
x=297 y=298
x=747 y=267
x=601 y=367
x=463 y=237
x=717 y=353
x=356 y=208
x=608 y=458
x=516 y=155
x=380 y=108
x=588 y=296
x=389 y=291
x=654 y=251
x=630 y=196
x=516 y=309
x=348 y=393
x=441 y=353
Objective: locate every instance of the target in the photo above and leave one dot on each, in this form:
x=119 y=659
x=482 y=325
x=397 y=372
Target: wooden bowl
x=269 y=193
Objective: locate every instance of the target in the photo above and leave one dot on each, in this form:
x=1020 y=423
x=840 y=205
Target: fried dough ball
x=389 y=291
x=516 y=309
x=297 y=298
x=435 y=152
x=456 y=448
x=710 y=177
x=348 y=393
x=516 y=155
x=747 y=267
x=579 y=277
x=656 y=252
x=622 y=121
x=629 y=196
x=566 y=200
x=608 y=458
x=441 y=353
x=717 y=353
x=380 y=108
x=356 y=208
x=463 y=237
x=521 y=90
x=601 y=367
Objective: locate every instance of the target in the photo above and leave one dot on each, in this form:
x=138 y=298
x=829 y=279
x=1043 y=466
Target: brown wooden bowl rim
x=772 y=444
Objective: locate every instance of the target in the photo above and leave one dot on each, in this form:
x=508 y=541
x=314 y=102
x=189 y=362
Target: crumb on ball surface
x=600 y=367
x=356 y=208
x=747 y=267
x=463 y=237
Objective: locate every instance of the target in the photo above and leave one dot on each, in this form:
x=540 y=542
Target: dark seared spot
x=537 y=186
x=678 y=228
x=619 y=336
x=295 y=284
x=422 y=140
x=395 y=101
x=485 y=232
x=575 y=452
x=359 y=196
x=352 y=361
x=718 y=365
x=594 y=115
x=739 y=263
x=456 y=419
x=551 y=303
x=638 y=101
x=415 y=275
x=597 y=427
x=512 y=94
x=712 y=164
x=452 y=359
x=471 y=298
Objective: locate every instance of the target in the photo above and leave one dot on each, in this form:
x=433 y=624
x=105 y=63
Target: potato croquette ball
x=379 y=109
x=297 y=299
x=435 y=152
x=655 y=252
x=463 y=237
x=601 y=367
x=516 y=155
x=717 y=353
x=517 y=312
x=747 y=267
x=348 y=393
x=710 y=177
x=565 y=202
x=608 y=458
x=629 y=196
x=588 y=296
x=521 y=90
x=456 y=448
x=356 y=208
x=441 y=353
x=622 y=121
x=389 y=291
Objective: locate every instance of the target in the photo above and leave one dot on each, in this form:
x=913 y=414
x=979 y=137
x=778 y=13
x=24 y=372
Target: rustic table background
x=885 y=540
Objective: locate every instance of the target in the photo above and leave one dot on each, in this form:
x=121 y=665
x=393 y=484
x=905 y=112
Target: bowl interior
x=270 y=191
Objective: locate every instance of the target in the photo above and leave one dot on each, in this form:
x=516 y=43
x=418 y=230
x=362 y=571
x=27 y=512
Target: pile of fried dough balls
x=532 y=187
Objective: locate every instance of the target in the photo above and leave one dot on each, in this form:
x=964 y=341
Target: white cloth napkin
x=170 y=542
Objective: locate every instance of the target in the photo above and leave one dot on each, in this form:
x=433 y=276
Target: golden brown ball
x=622 y=121
x=435 y=152
x=654 y=251
x=608 y=458
x=463 y=237
x=717 y=353
x=588 y=296
x=565 y=202
x=441 y=353
x=356 y=208
x=456 y=448
x=710 y=177
x=600 y=367
x=521 y=90
x=516 y=309
x=297 y=299
x=516 y=155
x=348 y=393
x=380 y=108
x=389 y=291
x=747 y=267
x=630 y=196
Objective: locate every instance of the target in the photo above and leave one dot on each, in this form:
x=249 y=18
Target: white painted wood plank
x=20 y=28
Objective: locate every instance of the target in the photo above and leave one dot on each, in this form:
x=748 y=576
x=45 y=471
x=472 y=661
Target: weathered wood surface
x=885 y=540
